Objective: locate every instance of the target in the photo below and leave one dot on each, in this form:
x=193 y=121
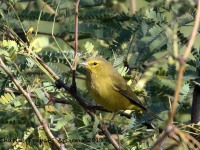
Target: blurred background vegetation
x=142 y=38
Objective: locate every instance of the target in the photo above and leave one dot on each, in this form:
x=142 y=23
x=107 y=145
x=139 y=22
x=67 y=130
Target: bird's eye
x=95 y=63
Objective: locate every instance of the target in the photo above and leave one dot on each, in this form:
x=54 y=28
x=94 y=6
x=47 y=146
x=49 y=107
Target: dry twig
x=182 y=60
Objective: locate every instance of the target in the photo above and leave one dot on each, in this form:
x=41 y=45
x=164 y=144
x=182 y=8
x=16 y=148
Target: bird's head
x=97 y=65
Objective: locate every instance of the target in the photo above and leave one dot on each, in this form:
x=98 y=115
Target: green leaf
x=40 y=93
x=86 y=120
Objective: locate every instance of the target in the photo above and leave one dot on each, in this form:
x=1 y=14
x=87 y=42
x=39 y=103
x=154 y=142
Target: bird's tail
x=154 y=115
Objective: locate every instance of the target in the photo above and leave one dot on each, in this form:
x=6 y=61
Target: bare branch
x=73 y=86
x=29 y=99
x=182 y=63
x=178 y=86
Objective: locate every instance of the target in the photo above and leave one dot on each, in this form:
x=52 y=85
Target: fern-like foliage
x=139 y=45
x=34 y=15
x=95 y=13
x=86 y=3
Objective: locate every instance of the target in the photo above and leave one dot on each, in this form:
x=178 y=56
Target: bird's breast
x=102 y=92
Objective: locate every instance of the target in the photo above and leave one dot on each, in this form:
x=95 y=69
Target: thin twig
x=107 y=134
x=187 y=138
x=54 y=75
x=194 y=33
x=29 y=99
x=105 y=131
x=76 y=28
x=179 y=80
x=53 y=36
x=177 y=91
x=132 y=6
x=73 y=86
x=191 y=138
x=182 y=63
x=163 y=137
x=48 y=95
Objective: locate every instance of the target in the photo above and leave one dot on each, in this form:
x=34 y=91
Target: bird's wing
x=122 y=87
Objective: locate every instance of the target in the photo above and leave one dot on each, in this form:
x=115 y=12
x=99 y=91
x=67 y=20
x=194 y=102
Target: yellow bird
x=109 y=89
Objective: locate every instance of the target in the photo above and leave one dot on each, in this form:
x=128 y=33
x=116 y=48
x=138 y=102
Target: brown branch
x=194 y=33
x=166 y=133
x=105 y=131
x=54 y=75
x=49 y=96
x=73 y=86
x=187 y=138
x=64 y=101
x=177 y=91
x=132 y=7
x=179 y=81
x=107 y=134
x=76 y=28
x=191 y=138
x=61 y=100
x=17 y=92
x=29 y=99
x=182 y=62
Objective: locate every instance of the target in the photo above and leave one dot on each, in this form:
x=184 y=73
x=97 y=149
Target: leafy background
x=139 y=44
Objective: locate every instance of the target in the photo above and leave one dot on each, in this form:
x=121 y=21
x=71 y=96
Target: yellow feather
x=108 y=88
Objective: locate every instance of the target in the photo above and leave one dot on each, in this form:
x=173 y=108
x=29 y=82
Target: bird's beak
x=84 y=63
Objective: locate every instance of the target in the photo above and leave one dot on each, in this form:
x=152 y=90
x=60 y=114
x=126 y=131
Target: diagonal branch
x=182 y=64
x=72 y=89
x=182 y=60
x=29 y=99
